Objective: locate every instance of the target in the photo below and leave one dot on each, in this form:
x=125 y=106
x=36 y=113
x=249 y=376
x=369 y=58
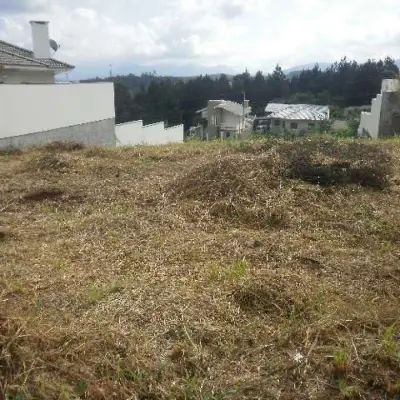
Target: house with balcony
x=225 y=119
x=296 y=118
x=34 y=109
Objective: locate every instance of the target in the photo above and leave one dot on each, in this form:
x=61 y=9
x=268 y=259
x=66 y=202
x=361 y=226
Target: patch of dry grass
x=201 y=271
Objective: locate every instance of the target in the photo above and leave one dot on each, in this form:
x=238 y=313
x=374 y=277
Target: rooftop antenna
x=54 y=46
x=111 y=71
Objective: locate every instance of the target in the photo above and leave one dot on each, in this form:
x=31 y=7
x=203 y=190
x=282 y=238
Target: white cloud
x=237 y=33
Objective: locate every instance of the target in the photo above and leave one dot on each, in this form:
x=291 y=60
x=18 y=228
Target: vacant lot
x=265 y=270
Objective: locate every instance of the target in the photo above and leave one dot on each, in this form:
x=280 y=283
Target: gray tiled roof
x=12 y=55
x=298 y=111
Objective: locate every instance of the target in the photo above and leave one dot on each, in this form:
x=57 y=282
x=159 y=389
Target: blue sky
x=228 y=35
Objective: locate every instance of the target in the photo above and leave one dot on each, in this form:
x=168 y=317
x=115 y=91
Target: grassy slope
x=198 y=271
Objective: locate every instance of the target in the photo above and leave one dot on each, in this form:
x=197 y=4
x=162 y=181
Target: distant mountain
x=323 y=66
x=187 y=71
x=87 y=71
x=299 y=68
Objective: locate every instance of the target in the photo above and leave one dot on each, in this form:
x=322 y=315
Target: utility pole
x=243 y=115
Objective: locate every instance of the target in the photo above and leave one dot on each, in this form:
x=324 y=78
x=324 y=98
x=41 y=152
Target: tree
x=156 y=98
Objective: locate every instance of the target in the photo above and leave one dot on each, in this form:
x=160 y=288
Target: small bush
x=341 y=362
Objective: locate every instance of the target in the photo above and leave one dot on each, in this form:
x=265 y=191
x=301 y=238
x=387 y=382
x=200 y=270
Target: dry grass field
x=251 y=270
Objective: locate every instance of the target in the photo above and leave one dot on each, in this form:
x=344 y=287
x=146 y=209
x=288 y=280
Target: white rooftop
x=233 y=107
x=309 y=112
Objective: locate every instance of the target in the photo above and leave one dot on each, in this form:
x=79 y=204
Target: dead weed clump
x=10 y=151
x=250 y=214
x=11 y=362
x=221 y=179
x=273 y=296
x=50 y=162
x=234 y=189
x=334 y=163
x=63 y=146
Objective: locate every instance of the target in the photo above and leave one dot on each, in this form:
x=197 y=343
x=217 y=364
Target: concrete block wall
x=389 y=113
x=386 y=105
x=92 y=133
x=135 y=133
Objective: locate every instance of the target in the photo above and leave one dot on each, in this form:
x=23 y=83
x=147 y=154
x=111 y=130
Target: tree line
x=174 y=100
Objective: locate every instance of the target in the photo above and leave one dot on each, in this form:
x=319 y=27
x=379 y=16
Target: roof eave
x=36 y=68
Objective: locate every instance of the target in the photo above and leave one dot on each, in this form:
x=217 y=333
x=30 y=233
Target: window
x=277 y=122
x=311 y=125
x=293 y=125
x=283 y=124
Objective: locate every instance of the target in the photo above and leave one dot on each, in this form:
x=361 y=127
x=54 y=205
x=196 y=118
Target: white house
x=35 y=110
x=225 y=119
x=18 y=65
x=295 y=117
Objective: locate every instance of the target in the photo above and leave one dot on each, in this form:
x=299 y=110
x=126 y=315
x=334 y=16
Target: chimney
x=40 y=39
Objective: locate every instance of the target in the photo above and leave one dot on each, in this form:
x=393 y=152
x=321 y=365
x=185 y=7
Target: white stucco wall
x=134 y=133
x=35 y=108
x=369 y=121
x=174 y=134
x=231 y=120
x=129 y=133
x=26 y=76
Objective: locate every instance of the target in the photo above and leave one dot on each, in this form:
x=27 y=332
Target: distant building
x=280 y=118
x=295 y=117
x=225 y=119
